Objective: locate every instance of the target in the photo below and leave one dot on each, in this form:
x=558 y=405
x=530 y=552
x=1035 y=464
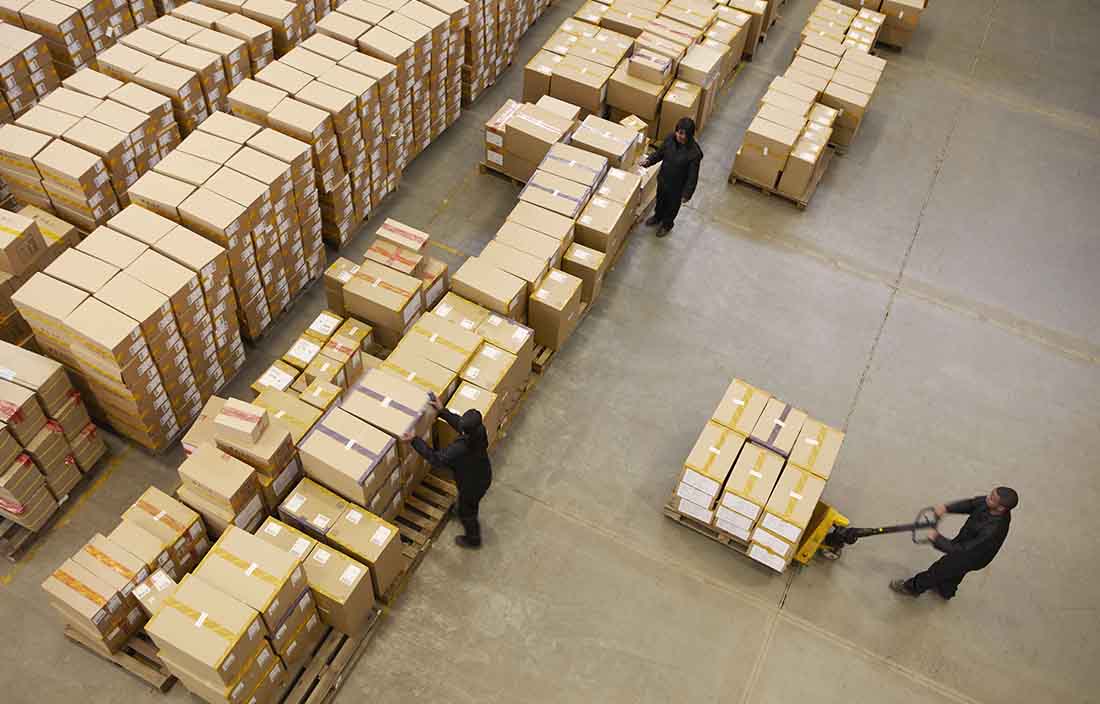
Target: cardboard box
x=312 y=508
x=498 y=291
x=588 y=266
x=372 y=541
x=581 y=82
x=778 y=427
x=268 y=455
x=539 y=71
x=345 y=593
x=154 y=592
x=546 y=222
x=741 y=407
x=603 y=224
x=411 y=362
x=792 y=503
x=287 y=538
x=555 y=193
x=621 y=145
x=240 y=421
x=495 y=369
x=554 y=309
x=168 y=519
x=531 y=131
x=348 y=455
x=20 y=242
x=708 y=465
x=390 y=403
x=817 y=448
x=471 y=397
x=219 y=477
x=383 y=296
x=220 y=647
x=260 y=575
x=450 y=345
x=456 y=309
x=279 y=376
x=528 y=267
x=800 y=168
x=750 y=483
x=85 y=601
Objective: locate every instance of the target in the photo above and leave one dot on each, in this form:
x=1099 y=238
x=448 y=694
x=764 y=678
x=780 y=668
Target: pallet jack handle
x=848 y=535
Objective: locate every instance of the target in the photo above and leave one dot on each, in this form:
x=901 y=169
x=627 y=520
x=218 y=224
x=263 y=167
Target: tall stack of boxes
x=130 y=312
x=47 y=440
x=756 y=473
x=30 y=240
x=27 y=70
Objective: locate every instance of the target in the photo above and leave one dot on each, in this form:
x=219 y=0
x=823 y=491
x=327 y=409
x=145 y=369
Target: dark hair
x=1007 y=497
x=687 y=125
x=473 y=429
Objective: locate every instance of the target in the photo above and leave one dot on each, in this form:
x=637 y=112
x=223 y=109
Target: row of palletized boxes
x=899 y=19
x=252 y=191
x=27 y=69
x=143 y=312
x=757 y=471
x=47 y=440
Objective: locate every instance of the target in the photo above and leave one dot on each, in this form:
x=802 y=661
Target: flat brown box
x=616 y=142
x=778 y=427
x=159 y=193
x=554 y=309
x=348 y=455
x=581 y=82
x=408 y=410
x=219 y=477
x=167 y=518
x=373 y=541
x=37 y=373
x=83 y=598
x=254 y=100
x=312 y=508
x=206 y=650
x=483 y=283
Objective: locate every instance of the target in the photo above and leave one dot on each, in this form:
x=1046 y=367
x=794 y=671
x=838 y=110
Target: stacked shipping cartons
x=29 y=241
x=74 y=31
x=224 y=490
x=132 y=319
x=97 y=591
x=756 y=473
x=47 y=440
x=27 y=72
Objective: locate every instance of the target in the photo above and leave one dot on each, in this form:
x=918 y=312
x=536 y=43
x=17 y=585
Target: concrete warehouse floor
x=938 y=299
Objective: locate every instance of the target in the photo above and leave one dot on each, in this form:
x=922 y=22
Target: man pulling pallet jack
x=985 y=530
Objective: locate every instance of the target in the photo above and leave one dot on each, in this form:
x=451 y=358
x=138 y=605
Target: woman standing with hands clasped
x=468 y=458
x=679 y=156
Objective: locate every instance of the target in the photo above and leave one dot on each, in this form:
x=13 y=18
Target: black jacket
x=981 y=536
x=679 y=166
x=473 y=473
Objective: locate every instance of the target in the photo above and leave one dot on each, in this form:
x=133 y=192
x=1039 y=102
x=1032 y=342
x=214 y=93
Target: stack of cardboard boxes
x=889 y=21
x=251 y=191
x=47 y=440
x=102 y=592
x=26 y=67
x=29 y=242
x=756 y=473
x=75 y=31
x=130 y=312
x=221 y=488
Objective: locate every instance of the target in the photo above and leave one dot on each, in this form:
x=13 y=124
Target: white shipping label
x=471 y=393
x=321 y=556
x=780 y=527
x=321 y=521
x=740 y=505
x=494 y=139
x=695 y=511
x=350 y=574
x=704 y=484
x=812 y=442
x=273 y=529
x=295 y=502
x=473 y=372
x=353 y=517
x=300 y=546
x=141 y=591
x=381 y=535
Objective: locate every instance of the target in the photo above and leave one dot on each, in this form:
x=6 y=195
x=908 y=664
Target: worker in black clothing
x=972 y=549
x=679 y=156
x=468 y=458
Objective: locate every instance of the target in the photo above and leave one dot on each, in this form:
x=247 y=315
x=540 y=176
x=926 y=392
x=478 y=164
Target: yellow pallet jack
x=830 y=531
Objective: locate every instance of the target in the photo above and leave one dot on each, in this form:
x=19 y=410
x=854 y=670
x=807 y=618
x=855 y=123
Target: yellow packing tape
x=247 y=566
x=810 y=463
x=795 y=495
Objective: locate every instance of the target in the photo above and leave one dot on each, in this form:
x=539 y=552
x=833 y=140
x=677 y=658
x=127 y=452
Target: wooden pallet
x=138 y=657
x=484 y=168
x=801 y=201
x=421 y=521
x=333 y=660
x=701 y=528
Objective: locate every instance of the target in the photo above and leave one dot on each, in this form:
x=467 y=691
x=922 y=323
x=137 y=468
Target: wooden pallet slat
x=327 y=670
x=706 y=530
x=138 y=657
x=800 y=201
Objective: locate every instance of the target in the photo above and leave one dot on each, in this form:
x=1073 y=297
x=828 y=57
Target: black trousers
x=944 y=575
x=668 y=204
x=467 y=513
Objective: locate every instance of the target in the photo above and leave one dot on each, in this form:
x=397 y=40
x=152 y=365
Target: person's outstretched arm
x=439 y=458
x=450 y=417
x=658 y=155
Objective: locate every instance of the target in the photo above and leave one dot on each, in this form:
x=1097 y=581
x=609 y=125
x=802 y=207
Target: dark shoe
x=663 y=231
x=463 y=542
x=653 y=220
x=901 y=586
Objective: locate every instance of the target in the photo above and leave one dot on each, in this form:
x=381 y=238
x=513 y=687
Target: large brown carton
x=817 y=448
x=740 y=407
x=532 y=131
x=618 y=143
x=464 y=313
x=227 y=633
x=555 y=193
x=343 y=588
x=450 y=345
x=588 y=266
x=495 y=369
x=260 y=575
x=750 y=483
x=392 y=404
x=633 y=94
x=168 y=519
x=547 y=222
x=86 y=601
x=580 y=165
x=219 y=477
x=412 y=362
x=792 y=502
x=286 y=537
x=20 y=242
x=374 y=542
x=682 y=99
x=383 y=296
x=603 y=224
x=348 y=455
x=526 y=266
x=483 y=283
x=581 y=82
x=708 y=465
x=554 y=309
x=533 y=242
x=289 y=410
x=312 y=508
x=471 y=397
x=778 y=426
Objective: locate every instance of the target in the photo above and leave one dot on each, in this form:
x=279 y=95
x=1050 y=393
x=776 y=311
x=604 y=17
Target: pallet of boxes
x=755 y=475
x=106 y=593
x=146 y=329
x=899 y=19
x=816 y=107
x=26 y=66
x=47 y=445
